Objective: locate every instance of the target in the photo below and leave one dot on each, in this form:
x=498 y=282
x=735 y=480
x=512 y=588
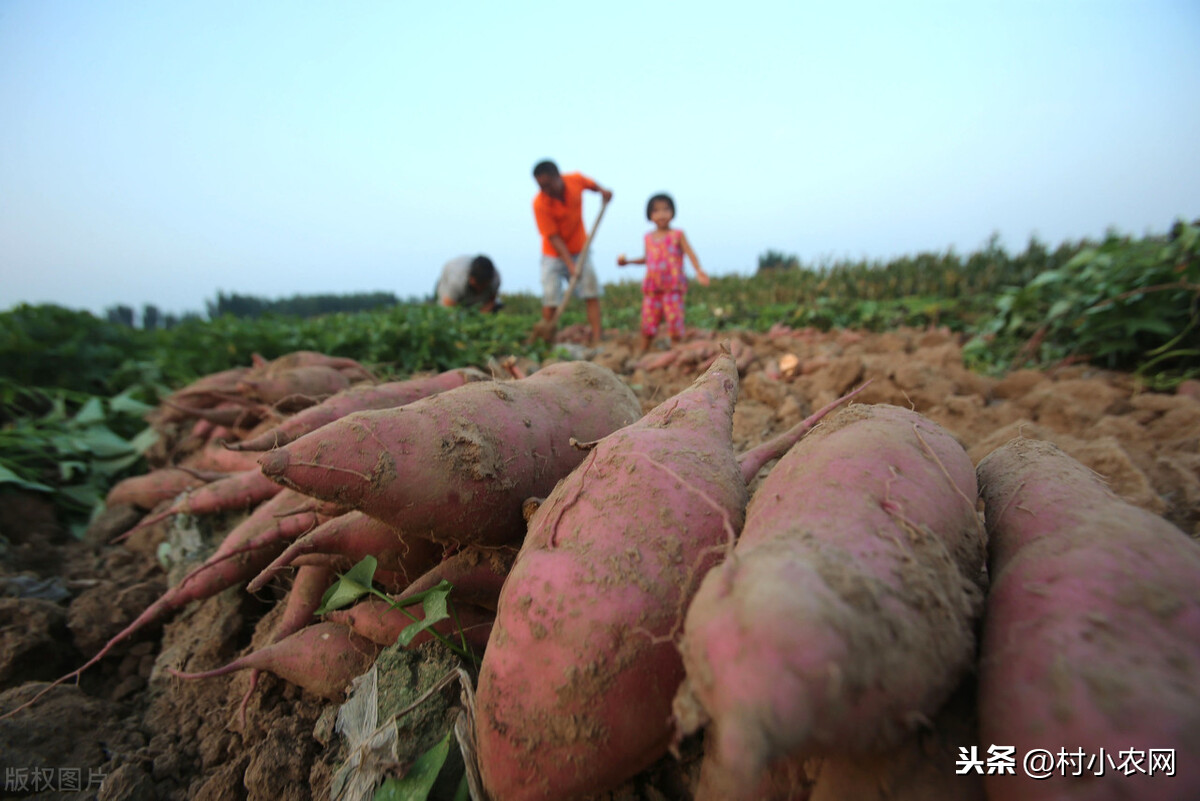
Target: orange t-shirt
x=563 y=217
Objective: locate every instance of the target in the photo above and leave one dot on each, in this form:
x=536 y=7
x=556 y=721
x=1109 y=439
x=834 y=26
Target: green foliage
x=1124 y=304
x=435 y=604
x=775 y=260
x=237 y=305
x=1131 y=304
x=73 y=451
x=417 y=783
x=49 y=346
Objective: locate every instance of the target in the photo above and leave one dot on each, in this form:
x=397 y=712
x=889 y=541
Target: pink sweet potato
x=303 y=600
x=845 y=612
x=1092 y=632
x=477 y=573
x=456 y=467
x=215 y=456
x=303 y=358
x=322 y=658
x=924 y=767
x=316 y=382
x=355 y=535
x=363 y=397
x=381 y=622
x=150 y=489
x=575 y=688
x=238 y=491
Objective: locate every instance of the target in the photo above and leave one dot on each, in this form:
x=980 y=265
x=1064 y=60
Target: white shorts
x=554 y=276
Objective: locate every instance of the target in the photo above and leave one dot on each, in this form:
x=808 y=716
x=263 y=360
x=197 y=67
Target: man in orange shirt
x=558 y=209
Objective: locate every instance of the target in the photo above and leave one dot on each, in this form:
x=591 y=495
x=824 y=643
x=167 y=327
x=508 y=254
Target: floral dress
x=664 y=285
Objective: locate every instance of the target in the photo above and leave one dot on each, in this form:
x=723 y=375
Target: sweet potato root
x=845 y=612
x=238 y=491
x=317 y=382
x=478 y=574
x=575 y=688
x=456 y=467
x=150 y=489
x=355 y=535
x=381 y=623
x=322 y=658
x=364 y=397
x=1092 y=632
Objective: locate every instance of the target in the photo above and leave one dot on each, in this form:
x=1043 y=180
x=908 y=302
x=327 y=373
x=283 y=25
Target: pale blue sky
x=157 y=152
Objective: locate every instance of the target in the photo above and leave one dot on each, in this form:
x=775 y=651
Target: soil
x=130 y=730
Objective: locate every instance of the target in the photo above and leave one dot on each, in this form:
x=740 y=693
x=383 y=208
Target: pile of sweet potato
x=875 y=606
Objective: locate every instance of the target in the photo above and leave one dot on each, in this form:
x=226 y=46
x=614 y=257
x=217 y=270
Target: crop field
x=239 y=491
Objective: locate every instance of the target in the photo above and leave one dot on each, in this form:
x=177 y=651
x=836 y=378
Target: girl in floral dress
x=665 y=283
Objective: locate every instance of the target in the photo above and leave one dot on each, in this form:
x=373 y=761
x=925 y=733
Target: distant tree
x=298 y=305
x=150 y=317
x=776 y=260
x=120 y=314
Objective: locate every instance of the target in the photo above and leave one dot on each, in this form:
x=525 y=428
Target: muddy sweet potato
x=456 y=467
x=845 y=613
x=322 y=658
x=364 y=397
x=353 y=536
x=1092 y=632
x=150 y=489
x=575 y=688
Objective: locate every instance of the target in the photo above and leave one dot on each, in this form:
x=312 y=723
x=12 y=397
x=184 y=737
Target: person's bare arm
x=605 y=192
x=560 y=247
x=622 y=261
x=701 y=276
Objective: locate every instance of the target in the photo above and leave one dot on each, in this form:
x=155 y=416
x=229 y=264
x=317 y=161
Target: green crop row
x=70 y=383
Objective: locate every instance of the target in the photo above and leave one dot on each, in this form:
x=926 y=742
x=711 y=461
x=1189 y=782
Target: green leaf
x=349 y=588
x=124 y=404
x=144 y=440
x=68 y=469
x=1059 y=308
x=434 y=604
x=418 y=782
x=85 y=495
x=10 y=477
x=112 y=467
x=103 y=443
x=92 y=412
x=1048 y=277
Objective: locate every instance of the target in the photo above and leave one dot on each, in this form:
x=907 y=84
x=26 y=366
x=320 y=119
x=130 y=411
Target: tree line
x=252 y=307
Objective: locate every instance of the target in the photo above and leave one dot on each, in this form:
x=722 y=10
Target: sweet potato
x=150 y=489
x=381 y=622
x=1092 y=633
x=456 y=467
x=215 y=456
x=356 y=535
x=304 y=358
x=575 y=688
x=322 y=658
x=238 y=491
x=845 y=613
x=315 y=382
x=363 y=397
x=226 y=414
x=303 y=599
x=478 y=574
x=924 y=767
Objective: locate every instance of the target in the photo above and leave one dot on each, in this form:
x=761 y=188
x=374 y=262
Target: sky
x=159 y=152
